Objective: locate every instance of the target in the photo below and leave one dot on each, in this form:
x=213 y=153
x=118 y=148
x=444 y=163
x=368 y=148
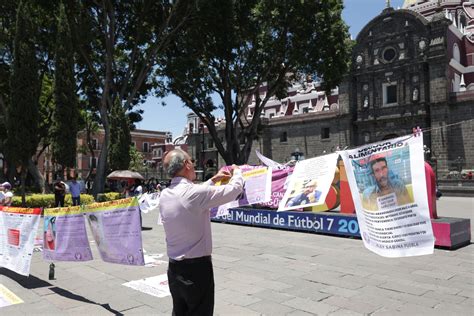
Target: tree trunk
x=23 y=185
x=100 y=174
x=11 y=172
x=37 y=176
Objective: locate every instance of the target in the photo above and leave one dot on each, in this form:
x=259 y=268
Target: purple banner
x=279 y=184
x=117 y=232
x=64 y=235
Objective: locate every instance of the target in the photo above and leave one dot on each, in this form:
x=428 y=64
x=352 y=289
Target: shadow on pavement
x=72 y=296
x=32 y=282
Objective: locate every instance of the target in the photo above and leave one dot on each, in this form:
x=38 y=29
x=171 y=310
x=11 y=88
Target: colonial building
x=415 y=67
x=143 y=140
x=410 y=67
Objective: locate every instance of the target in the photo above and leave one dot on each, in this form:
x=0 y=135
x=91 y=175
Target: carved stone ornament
x=422 y=44
x=415 y=95
x=359 y=59
x=437 y=41
x=365 y=87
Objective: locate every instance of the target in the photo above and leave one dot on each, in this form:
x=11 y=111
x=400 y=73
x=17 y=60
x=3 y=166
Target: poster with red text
x=18 y=227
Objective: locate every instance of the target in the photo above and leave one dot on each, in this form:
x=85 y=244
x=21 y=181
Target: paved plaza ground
x=267 y=272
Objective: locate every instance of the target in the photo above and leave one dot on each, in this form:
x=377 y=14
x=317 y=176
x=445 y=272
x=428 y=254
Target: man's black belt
x=191 y=260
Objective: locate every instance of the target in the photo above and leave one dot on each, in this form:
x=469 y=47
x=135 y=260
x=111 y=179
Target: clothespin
x=416 y=131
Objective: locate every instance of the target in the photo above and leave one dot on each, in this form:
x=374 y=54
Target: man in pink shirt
x=184 y=209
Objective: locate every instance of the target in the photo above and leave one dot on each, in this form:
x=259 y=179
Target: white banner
x=156 y=286
x=268 y=162
x=388 y=186
x=18 y=227
x=257 y=189
x=310 y=182
x=149 y=202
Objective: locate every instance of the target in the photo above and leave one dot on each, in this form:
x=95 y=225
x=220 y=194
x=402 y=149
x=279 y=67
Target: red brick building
x=143 y=140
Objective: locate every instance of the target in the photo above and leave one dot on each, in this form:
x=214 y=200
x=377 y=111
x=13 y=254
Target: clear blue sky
x=172 y=117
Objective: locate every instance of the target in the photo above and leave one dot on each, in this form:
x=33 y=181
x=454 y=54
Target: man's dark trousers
x=191 y=283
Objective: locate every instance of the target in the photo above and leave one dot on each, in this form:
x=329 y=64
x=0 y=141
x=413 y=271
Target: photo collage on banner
x=310 y=182
x=64 y=235
x=257 y=189
x=116 y=228
x=17 y=235
x=387 y=181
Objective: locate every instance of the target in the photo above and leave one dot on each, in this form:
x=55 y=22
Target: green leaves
x=23 y=111
x=232 y=47
x=66 y=114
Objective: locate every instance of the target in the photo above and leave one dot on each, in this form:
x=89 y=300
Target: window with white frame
x=210 y=142
x=270 y=112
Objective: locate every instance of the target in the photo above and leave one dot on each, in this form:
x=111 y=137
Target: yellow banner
x=62 y=211
x=110 y=205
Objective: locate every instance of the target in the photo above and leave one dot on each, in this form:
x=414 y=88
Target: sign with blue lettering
x=324 y=223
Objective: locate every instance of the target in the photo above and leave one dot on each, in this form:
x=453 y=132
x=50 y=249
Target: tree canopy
x=234 y=47
x=118 y=43
x=23 y=111
x=66 y=115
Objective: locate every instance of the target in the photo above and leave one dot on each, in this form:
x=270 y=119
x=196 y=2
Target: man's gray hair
x=175 y=163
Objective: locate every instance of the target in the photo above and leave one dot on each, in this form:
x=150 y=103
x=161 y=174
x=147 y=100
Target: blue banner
x=331 y=223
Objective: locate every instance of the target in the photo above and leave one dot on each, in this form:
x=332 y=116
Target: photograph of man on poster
x=389 y=189
x=308 y=195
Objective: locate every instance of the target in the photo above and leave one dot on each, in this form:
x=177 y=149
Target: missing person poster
x=116 y=228
x=64 y=235
x=310 y=182
x=257 y=189
x=387 y=181
x=18 y=227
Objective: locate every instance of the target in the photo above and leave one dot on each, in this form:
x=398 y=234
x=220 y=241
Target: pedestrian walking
x=186 y=220
x=59 y=193
x=6 y=195
x=75 y=189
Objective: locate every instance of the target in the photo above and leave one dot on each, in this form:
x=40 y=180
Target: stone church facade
x=410 y=67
